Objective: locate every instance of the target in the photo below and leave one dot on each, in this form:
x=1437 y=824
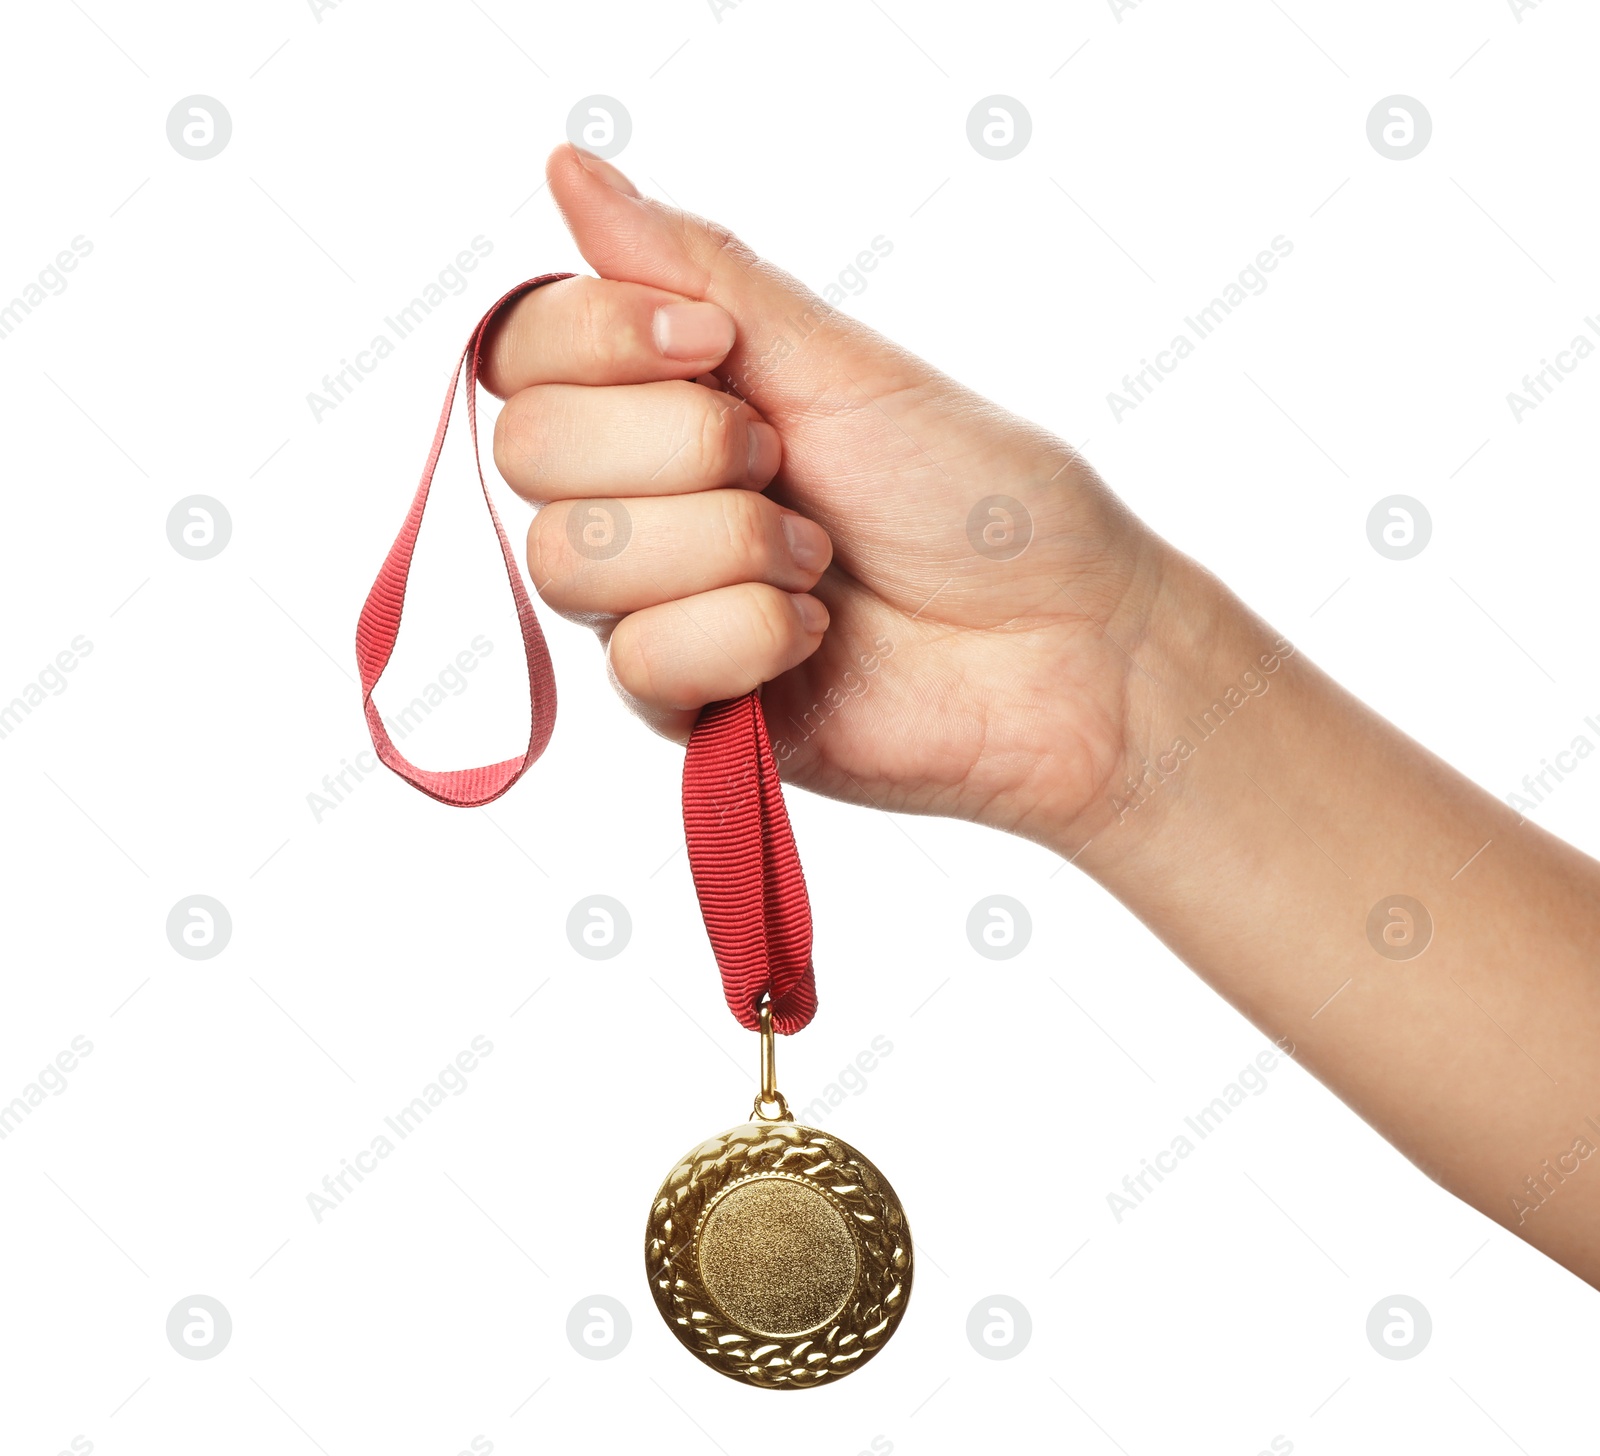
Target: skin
x=799 y=492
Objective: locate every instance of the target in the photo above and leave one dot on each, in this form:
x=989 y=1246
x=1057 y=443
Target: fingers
x=672 y=659
x=564 y=441
x=591 y=331
x=593 y=560
x=626 y=236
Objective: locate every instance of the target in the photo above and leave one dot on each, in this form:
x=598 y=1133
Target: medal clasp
x=769 y=1096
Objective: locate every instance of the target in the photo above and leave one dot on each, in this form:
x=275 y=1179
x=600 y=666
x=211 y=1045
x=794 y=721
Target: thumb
x=794 y=354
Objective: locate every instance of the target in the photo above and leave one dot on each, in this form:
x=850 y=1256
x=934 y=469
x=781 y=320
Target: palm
x=899 y=707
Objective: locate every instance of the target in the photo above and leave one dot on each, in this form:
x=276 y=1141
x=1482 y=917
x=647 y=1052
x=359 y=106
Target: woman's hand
x=941 y=598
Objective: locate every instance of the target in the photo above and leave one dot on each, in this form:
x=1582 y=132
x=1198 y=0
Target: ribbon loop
x=379 y=625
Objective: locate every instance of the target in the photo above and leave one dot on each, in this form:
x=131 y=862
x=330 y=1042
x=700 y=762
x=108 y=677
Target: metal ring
x=758 y=1112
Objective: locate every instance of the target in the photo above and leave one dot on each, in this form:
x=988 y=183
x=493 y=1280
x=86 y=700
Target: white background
x=369 y=146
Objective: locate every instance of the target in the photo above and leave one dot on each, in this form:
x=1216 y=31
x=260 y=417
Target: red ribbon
x=741 y=849
x=746 y=870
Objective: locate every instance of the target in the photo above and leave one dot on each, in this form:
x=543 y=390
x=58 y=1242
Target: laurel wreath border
x=883 y=1284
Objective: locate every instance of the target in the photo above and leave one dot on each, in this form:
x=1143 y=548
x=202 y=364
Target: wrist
x=1201 y=674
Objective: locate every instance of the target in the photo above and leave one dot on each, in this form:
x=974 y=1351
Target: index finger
x=595 y=331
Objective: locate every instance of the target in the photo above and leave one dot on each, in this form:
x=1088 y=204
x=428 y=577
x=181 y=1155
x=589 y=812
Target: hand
x=803 y=504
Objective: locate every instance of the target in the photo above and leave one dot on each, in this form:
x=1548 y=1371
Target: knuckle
x=630 y=662
x=745 y=527
x=721 y=437
x=551 y=562
x=595 y=335
x=506 y=345
x=728 y=244
x=771 y=625
x=515 y=433
x=505 y=430
x=713 y=247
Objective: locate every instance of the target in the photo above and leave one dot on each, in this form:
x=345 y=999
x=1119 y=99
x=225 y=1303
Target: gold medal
x=776 y=1253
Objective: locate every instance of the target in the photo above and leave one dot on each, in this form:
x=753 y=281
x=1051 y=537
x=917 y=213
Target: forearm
x=1260 y=832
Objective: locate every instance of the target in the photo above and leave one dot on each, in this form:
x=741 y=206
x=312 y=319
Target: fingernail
x=606 y=172
x=808 y=543
x=765 y=450
x=813 y=615
x=692 y=331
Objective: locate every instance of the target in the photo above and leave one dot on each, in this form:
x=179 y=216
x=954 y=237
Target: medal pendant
x=777 y=1253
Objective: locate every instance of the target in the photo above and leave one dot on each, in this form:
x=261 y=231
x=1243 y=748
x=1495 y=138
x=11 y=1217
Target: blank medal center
x=777 y=1256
